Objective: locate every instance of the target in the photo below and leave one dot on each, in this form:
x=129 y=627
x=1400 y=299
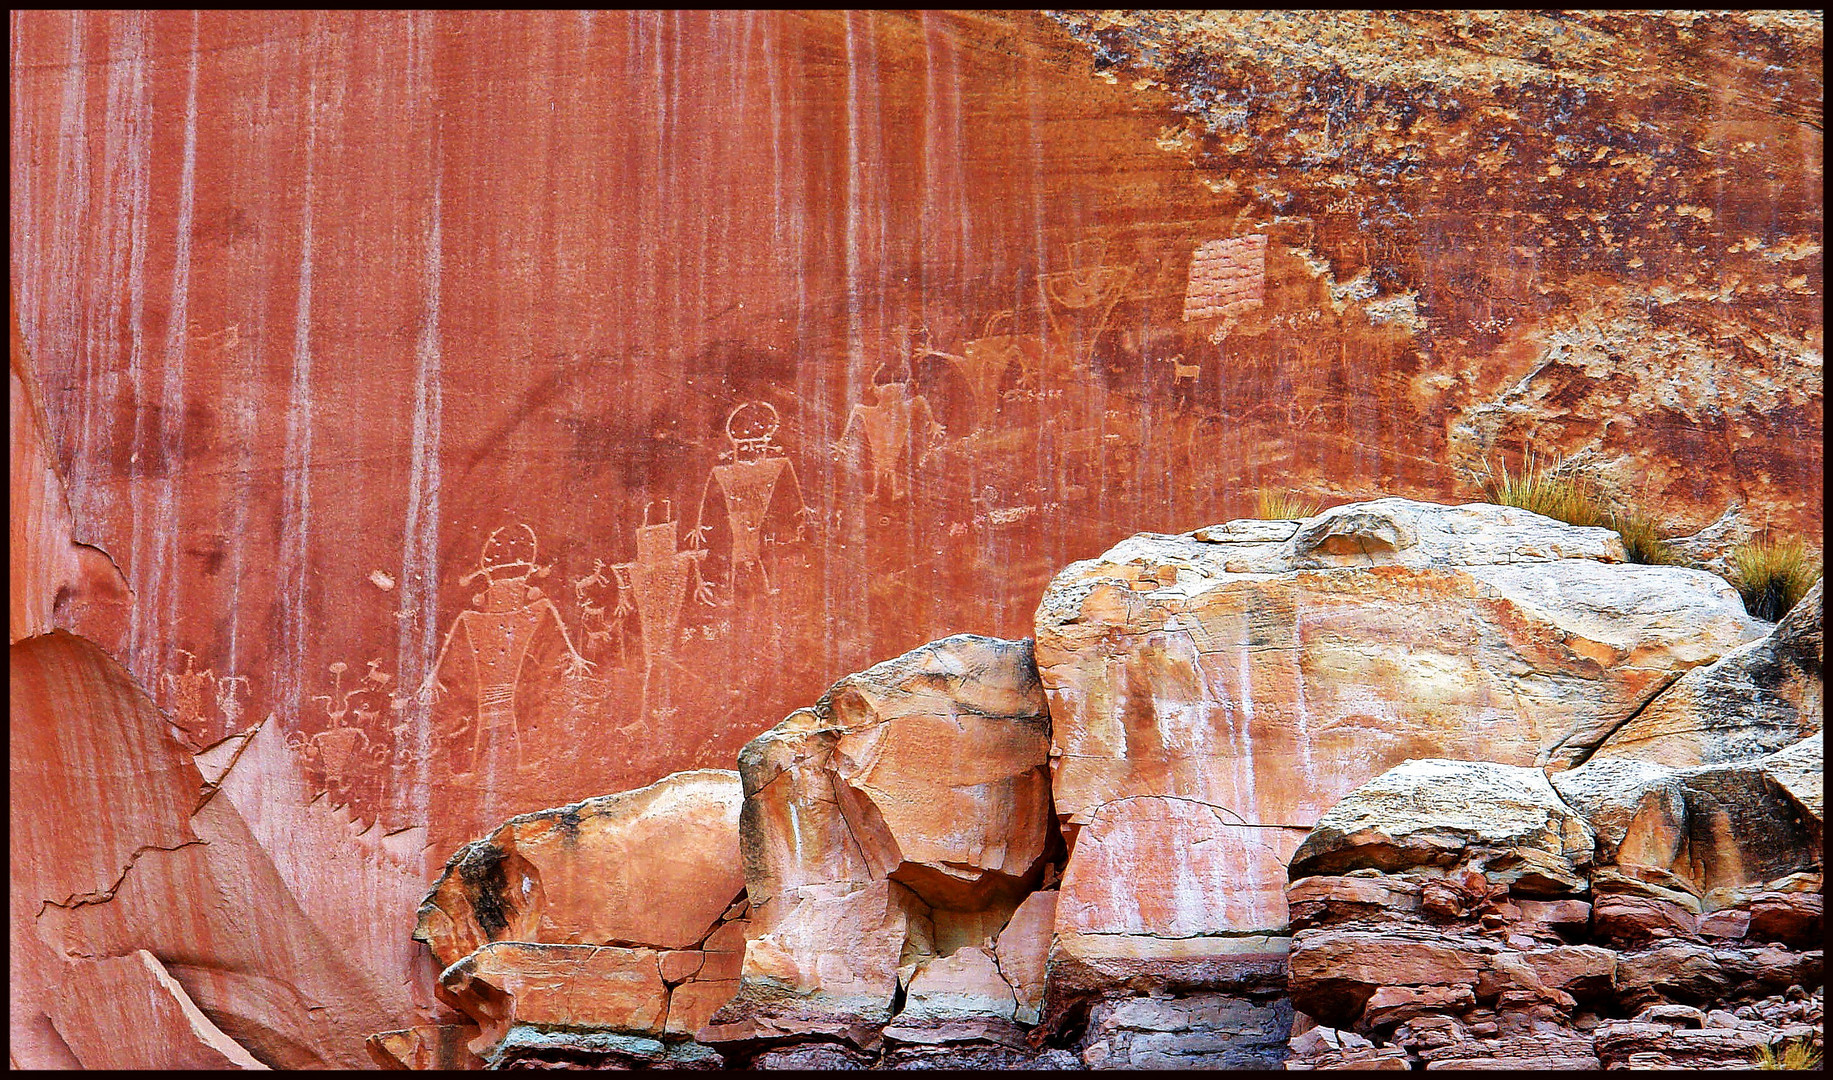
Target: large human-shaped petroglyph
x=498 y=632
x=746 y=481
x=899 y=429
x=657 y=584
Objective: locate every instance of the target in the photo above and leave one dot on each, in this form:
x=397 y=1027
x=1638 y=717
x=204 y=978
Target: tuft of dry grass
x=1553 y=489
x=1541 y=488
x=1796 y=1054
x=1772 y=575
x=1641 y=541
x=1282 y=505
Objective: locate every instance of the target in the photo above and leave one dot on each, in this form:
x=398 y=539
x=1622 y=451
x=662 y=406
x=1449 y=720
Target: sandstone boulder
x=1506 y=820
x=590 y=873
x=1698 y=838
x=932 y=767
x=1755 y=700
x=1273 y=676
x=1800 y=771
x=899 y=821
x=1267 y=669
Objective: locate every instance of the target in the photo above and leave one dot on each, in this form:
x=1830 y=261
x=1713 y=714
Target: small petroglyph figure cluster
x=193 y=694
x=341 y=758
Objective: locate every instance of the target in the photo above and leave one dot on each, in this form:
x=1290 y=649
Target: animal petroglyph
x=753 y=467
x=597 y=625
x=497 y=633
x=1089 y=286
x=988 y=358
x=897 y=427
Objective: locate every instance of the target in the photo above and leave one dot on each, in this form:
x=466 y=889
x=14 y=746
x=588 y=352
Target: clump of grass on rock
x=1796 y=1054
x=1773 y=575
x=1282 y=505
x=1557 y=490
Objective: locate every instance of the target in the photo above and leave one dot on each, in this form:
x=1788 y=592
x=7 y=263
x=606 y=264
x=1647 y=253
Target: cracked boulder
x=899 y=821
x=1754 y=700
x=621 y=914
x=1269 y=668
x=1504 y=821
x=1164 y=890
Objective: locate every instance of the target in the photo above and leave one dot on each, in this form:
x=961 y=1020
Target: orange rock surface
x=440 y=417
x=657 y=867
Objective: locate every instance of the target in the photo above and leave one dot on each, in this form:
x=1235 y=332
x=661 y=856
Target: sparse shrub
x=1282 y=505
x=1563 y=493
x=1795 y=1054
x=1543 y=489
x=1772 y=575
x=1641 y=541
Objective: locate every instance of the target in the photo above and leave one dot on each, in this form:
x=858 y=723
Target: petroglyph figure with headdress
x=498 y=632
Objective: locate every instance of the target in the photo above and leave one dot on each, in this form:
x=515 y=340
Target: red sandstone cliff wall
x=350 y=332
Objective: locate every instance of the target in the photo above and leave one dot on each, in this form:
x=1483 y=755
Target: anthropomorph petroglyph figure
x=747 y=481
x=898 y=426
x=498 y=632
x=656 y=584
x=1087 y=286
x=342 y=754
x=192 y=692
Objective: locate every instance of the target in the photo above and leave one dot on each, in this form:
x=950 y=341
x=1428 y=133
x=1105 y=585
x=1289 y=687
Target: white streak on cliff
x=418 y=638
x=162 y=568
x=296 y=495
x=127 y=139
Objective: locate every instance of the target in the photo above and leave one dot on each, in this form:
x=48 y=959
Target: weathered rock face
x=1231 y=684
x=1519 y=206
x=587 y=874
x=890 y=833
x=402 y=425
x=115 y=963
x=1756 y=699
x=1416 y=931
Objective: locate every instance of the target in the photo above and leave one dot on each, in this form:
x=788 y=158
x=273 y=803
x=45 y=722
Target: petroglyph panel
x=1227 y=277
